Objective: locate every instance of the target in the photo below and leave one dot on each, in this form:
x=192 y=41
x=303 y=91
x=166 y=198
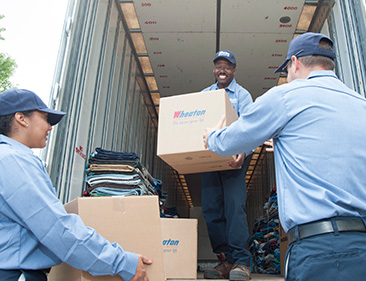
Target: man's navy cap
x=226 y=54
x=19 y=100
x=305 y=45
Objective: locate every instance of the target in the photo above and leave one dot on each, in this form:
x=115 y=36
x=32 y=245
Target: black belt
x=326 y=226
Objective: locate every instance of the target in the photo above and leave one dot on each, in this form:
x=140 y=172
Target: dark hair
x=326 y=62
x=7 y=120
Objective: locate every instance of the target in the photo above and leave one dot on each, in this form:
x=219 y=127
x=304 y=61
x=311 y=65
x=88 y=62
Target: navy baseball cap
x=225 y=54
x=305 y=45
x=18 y=100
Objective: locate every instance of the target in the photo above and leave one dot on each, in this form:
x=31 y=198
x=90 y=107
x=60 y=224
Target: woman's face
x=37 y=129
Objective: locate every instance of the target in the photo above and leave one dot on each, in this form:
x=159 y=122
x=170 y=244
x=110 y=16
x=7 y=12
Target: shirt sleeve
x=261 y=121
x=28 y=191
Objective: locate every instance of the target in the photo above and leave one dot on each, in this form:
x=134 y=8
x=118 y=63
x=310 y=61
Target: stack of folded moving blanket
x=112 y=173
x=264 y=243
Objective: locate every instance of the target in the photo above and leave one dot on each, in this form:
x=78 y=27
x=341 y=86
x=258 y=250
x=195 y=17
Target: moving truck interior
x=117 y=58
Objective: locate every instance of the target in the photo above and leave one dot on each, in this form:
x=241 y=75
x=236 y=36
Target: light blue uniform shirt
x=240 y=98
x=319 y=131
x=35 y=230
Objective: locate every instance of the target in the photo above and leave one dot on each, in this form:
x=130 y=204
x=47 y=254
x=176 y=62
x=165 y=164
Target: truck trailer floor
x=255 y=277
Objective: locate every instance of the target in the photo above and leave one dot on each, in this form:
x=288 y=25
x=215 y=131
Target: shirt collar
x=322 y=73
x=230 y=88
x=13 y=143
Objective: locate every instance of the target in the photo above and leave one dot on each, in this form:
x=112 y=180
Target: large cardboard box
x=182 y=123
x=179 y=240
x=131 y=221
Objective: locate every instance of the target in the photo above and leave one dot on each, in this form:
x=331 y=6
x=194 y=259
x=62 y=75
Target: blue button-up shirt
x=240 y=98
x=35 y=230
x=318 y=127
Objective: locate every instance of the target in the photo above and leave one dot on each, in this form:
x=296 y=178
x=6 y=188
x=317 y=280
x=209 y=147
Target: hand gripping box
x=131 y=221
x=179 y=241
x=183 y=120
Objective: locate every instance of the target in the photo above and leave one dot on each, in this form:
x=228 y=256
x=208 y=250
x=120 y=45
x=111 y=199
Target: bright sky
x=32 y=38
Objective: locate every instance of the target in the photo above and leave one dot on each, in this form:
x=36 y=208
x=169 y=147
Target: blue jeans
x=224 y=195
x=333 y=256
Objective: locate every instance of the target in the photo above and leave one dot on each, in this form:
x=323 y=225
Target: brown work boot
x=240 y=272
x=220 y=271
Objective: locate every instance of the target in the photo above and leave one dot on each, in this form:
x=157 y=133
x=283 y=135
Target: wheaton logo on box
x=182 y=122
x=170 y=245
x=183 y=114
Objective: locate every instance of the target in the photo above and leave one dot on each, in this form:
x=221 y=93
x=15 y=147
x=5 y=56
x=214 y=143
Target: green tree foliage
x=1 y=29
x=7 y=67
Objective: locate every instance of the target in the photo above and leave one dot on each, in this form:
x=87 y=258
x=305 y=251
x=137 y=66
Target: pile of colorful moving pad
x=264 y=243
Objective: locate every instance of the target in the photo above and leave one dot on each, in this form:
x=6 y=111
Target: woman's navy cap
x=225 y=54
x=19 y=100
x=305 y=45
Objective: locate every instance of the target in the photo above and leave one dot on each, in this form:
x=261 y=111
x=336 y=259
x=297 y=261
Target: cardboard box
x=131 y=221
x=182 y=123
x=179 y=240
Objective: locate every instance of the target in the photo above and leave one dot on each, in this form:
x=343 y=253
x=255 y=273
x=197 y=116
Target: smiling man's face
x=224 y=72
